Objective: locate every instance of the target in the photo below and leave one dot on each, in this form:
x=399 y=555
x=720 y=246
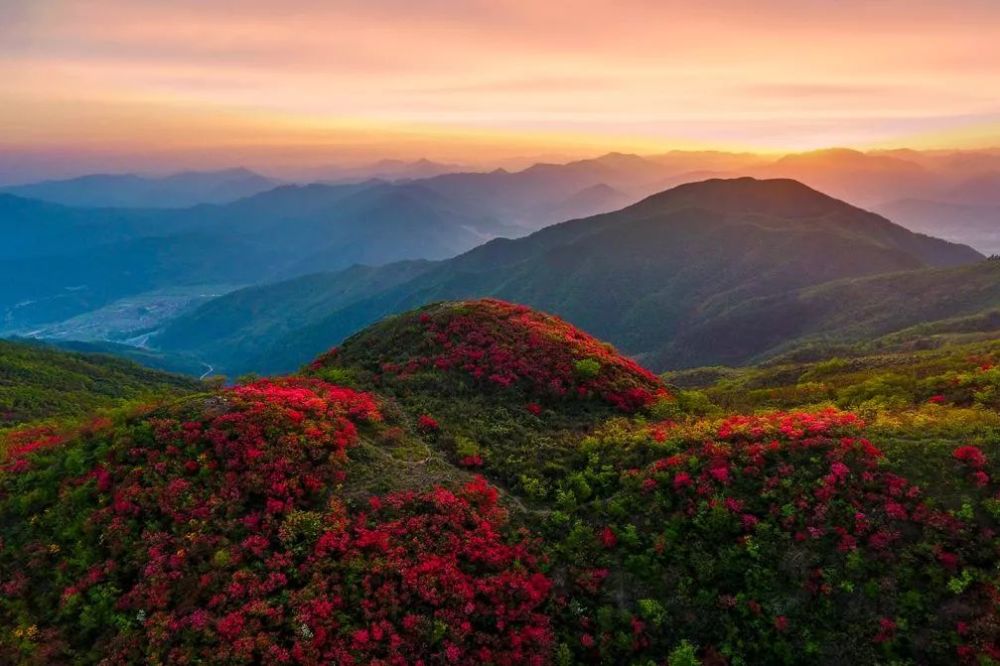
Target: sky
x=150 y=83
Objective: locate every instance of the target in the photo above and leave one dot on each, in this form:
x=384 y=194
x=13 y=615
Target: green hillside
x=911 y=308
x=229 y=330
x=38 y=382
x=479 y=482
x=900 y=379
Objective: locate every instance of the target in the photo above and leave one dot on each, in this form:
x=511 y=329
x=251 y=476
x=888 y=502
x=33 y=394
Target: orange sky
x=292 y=81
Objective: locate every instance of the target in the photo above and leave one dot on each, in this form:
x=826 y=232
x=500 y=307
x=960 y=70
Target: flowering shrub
x=975 y=462
x=978 y=385
x=427 y=423
x=18 y=444
x=437 y=582
x=782 y=538
x=502 y=345
x=209 y=532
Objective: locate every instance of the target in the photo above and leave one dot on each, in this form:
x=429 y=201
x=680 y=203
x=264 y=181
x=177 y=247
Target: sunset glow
x=304 y=81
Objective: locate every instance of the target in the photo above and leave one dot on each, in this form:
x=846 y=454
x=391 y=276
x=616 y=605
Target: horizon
x=357 y=171
x=136 y=86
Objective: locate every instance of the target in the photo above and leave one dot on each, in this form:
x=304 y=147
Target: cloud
x=781 y=73
x=822 y=90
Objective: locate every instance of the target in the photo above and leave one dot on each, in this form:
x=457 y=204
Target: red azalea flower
x=428 y=423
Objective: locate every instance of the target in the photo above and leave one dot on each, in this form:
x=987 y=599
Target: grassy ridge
x=38 y=382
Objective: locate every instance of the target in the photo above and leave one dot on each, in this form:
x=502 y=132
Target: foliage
x=502 y=346
x=963 y=375
x=297 y=521
x=37 y=382
x=775 y=539
x=210 y=531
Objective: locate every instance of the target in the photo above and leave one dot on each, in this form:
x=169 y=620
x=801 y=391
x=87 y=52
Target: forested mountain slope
x=641 y=277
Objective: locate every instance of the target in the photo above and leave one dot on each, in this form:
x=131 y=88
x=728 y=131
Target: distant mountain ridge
x=179 y=190
x=977 y=225
x=881 y=311
x=291 y=230
x=60 y=261
x=640 y=276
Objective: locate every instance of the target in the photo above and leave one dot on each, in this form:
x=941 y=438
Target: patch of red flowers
x=471 y=461
x=16 y=446
x=789 y=425
x=428 y=423
x=970 y=455
x=503 y=345
x=21 y=443
x=220 y=539
x=974 y=460
x=792 y=506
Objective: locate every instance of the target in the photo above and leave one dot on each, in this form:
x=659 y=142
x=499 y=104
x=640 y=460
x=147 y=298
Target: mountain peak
x=772 y=196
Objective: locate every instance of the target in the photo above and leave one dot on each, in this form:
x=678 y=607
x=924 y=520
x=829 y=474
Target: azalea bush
x=781 y=538
x=498 y=387
x=212 y=531
x=503 y=346
x=977 y=386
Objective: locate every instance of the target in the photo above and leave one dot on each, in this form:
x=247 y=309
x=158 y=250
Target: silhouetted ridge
x=777 y=196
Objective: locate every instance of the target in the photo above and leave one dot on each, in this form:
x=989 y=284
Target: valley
x=130 y=320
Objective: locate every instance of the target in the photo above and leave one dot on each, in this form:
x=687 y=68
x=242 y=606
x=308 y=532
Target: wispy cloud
x=778 y=74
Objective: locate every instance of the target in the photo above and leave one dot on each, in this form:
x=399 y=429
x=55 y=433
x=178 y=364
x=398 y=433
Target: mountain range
x=646 y=277
x=58 y=262
x=546 y=193
x=178 y=190
x=97 y=272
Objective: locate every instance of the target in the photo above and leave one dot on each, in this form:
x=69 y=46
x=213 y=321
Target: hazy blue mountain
x=44 y=289
x=975 y=225
x=589 y=201
x=59 y=261
x=31 y=228
x=982 y=189
x=527 y=197
x=231 y=330
x=179 y=190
